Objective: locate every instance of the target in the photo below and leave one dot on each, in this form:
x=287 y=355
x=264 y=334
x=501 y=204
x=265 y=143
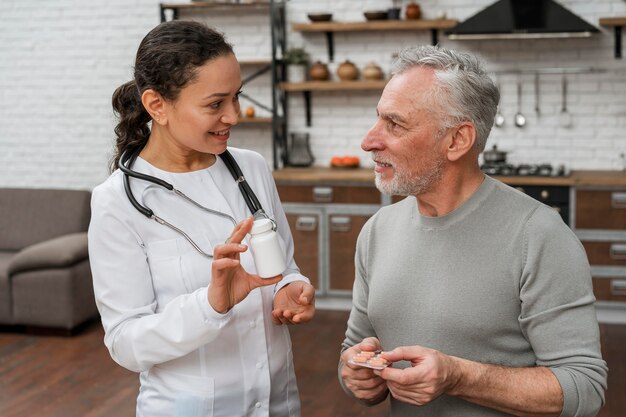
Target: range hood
x=523 y=19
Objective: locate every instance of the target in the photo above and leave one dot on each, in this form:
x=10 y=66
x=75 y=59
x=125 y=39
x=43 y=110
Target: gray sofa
x=45 y=279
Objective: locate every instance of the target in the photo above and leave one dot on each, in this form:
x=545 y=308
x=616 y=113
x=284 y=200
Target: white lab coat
x=151 y=291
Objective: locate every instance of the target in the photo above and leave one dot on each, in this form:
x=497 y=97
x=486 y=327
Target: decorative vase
x=319 y=72
x=373 y=72
x=347 y=71
x=413 y=11
x=296 y=73
x=393 y=13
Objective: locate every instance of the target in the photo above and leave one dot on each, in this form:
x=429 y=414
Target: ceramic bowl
x=320 y=17
x=375 y=15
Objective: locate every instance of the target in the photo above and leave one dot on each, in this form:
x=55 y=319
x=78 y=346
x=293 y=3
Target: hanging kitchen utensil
x=498 y=121
x=565 y=118
x=520 y=119
x=300 y=154
x=537 y=111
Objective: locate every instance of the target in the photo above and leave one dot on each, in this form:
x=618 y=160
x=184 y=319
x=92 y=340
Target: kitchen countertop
x=365 y=176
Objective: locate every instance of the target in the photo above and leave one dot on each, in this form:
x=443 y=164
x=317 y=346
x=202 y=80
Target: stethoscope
x=125 y=165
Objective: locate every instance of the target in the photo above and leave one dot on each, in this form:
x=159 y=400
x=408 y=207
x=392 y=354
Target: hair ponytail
x=132 y=130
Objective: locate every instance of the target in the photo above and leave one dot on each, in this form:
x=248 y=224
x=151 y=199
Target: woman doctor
x=204 y=333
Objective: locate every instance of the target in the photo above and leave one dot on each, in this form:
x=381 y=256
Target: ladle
x=537 y=111
x=565 y=118
x=498 y=121
x=520 y=119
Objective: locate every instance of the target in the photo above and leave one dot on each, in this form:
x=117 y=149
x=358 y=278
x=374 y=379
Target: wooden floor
x=75 y=377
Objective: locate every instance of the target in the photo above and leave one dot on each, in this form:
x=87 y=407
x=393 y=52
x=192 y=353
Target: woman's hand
x=230 y=283
x=294 y=303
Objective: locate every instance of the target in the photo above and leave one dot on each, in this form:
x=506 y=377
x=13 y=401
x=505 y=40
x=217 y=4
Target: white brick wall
x=60 y=61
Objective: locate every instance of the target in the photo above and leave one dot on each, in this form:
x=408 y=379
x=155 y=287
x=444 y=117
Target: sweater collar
x=470 y=205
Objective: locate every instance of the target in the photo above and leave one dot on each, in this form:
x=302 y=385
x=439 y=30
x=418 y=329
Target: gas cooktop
x=524 y=170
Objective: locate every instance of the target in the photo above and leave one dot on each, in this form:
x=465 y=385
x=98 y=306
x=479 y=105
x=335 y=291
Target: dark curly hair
x=167 y=60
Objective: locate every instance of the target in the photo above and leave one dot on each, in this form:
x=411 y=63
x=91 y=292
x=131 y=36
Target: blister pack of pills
x=369 y=359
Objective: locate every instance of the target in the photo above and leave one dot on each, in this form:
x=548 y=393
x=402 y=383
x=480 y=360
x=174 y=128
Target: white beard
x=403 y=184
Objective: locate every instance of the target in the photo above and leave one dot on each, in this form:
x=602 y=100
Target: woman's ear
x=462 y=141
x=154 y=105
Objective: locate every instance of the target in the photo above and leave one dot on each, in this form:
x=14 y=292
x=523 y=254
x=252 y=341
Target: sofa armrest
x=58 y=252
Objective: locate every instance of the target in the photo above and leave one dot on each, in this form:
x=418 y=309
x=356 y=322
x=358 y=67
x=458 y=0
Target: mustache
x=381 y=159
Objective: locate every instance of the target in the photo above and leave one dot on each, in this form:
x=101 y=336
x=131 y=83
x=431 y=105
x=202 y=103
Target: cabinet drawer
x=328 y=194
x=606 y=253
x=600 y=209
x=609 y=289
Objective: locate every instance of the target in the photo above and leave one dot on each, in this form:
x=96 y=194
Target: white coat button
x=252 y=324
x=259 y=365
x=257 y=405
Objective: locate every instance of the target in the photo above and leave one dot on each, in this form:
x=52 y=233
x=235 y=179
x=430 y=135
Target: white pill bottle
x=266 y=251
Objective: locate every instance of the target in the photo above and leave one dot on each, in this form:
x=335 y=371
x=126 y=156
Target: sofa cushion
x=59 y=252
x=33 y=215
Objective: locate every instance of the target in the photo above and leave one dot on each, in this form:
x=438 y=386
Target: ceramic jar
x=413 y=11
x=373 y=72
x=319 y=72
x=347 y=71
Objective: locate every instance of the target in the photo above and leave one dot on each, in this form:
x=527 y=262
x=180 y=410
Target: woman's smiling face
x=201 y=117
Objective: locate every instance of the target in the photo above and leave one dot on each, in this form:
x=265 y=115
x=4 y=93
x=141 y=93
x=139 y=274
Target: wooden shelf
x=616 y=23
x=364 y=85
x=307 y=87
x=255 y=120
x=613 y=21
x=255 y=62
x=375 y=25
x=329 y=28
x=213 y=4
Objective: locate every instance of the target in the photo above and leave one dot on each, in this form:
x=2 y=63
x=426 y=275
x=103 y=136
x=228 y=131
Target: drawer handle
x=618 y=287
x=617 y=251
x=322 y=194
x=618 y=200
x=340 y=224
x=306 y=223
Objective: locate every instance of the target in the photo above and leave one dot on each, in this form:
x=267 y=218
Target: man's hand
x=294 y=303
x=230 y=283
x=431 y=374
x=363 y=383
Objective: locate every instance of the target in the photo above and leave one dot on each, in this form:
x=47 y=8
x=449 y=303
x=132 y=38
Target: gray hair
x=463 y=92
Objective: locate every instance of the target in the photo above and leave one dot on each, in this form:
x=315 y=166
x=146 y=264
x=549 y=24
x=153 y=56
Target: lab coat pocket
x=165 y=269
x=190 y=396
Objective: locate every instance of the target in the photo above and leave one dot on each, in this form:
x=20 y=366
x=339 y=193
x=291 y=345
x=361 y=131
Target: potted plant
x=297 y=60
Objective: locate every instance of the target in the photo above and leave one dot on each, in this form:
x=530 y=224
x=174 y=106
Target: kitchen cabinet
x=325 y=221
x=276 y=15
x=328 y=207
x=600 y=223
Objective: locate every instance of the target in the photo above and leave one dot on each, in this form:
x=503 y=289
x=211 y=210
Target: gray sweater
x=500 y=280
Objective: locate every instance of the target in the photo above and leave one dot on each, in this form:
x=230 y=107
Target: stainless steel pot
x=494 y=156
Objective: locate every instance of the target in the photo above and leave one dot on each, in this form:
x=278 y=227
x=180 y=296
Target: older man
x=480 y=296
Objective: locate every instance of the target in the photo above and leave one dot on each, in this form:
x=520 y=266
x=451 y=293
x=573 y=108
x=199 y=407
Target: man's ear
x=154 y=105
x=462 y=141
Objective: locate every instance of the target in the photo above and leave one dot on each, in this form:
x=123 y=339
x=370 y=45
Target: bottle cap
x=260 y=226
